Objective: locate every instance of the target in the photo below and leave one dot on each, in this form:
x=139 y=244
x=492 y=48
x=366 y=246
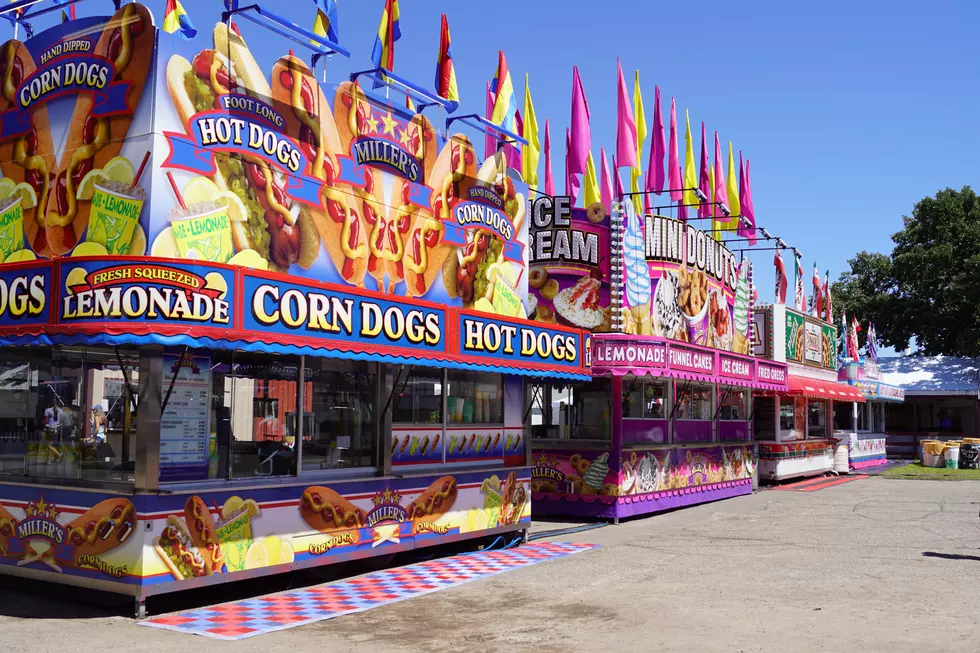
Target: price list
x=184 y=424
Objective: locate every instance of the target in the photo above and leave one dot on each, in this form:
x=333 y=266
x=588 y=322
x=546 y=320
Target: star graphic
x=390 y=123
x=40 y=508
x=372 y=125
x=404 y=139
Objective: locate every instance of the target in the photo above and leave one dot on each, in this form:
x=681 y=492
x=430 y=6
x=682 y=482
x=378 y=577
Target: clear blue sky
x=850 y=111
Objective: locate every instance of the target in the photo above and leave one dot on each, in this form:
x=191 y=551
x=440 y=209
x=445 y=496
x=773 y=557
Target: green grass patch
x=917 y=471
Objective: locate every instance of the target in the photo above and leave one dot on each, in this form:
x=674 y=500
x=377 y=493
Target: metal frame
x=389 y=79
x=487 y=127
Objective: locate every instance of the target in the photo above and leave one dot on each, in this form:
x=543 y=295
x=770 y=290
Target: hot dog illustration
x=325 y=510
x=203 y=534
x=177 y=551
x=280 y=230
x=8 y=529
x=126 y=41
x=29 y=157
x=101 y=528
x=435 y=501
x=426 y=253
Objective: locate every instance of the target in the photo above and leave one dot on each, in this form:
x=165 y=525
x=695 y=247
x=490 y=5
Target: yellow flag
x=690 y=171
x=731 y=181
x=590 y=185
x=532 y=151
x=641 y=134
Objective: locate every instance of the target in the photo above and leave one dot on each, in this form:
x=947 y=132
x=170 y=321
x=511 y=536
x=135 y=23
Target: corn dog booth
x=249 y=322
x=801 y=428
x=666 y=420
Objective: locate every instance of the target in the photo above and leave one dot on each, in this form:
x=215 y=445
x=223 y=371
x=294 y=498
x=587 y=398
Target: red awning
x=801 y=386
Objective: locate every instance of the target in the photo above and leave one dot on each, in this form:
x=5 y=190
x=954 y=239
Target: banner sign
x=496 y=339
x=25 y=295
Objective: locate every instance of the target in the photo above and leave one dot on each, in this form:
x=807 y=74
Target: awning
x=801 y=386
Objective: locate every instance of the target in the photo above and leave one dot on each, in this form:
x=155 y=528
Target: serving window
x=694 y=402
x=734 y=406
x=572 y=411
x=417 y=396
x=69 y=413
x=474 y=397
x=644 y=398
x=816 y=418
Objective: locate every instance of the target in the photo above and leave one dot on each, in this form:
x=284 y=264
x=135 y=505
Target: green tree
x=929 y=287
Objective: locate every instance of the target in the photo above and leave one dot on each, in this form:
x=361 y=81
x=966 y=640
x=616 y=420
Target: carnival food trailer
x=868 y=445
x=252 y=329
x=796 y=428
x=666 y=420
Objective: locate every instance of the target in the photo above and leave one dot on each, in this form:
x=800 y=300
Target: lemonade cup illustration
x=11 y=226
x=115 y=215
x=203 y=232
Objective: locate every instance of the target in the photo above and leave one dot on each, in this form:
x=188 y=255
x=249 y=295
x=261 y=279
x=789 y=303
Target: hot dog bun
x=340 y=226
x=435 y=501
x=325 y=510
x=33 y=151
x=453 y=174
x=102 y=527
x=200 y=525
x=66 y=217
x=251 y=79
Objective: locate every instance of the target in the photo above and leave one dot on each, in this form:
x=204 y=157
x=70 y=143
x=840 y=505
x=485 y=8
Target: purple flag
x=748 y=211
x=655 y=168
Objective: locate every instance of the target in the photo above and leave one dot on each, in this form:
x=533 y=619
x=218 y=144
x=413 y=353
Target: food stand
x=868 y=444
x=666 y=420
x=252 y=353
x=796 y=427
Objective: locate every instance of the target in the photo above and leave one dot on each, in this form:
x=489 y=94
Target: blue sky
x=849 y=111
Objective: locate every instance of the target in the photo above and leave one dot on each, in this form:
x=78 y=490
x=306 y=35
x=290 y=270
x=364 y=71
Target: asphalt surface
x=872 y=565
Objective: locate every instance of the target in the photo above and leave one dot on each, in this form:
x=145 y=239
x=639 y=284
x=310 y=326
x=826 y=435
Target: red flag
x=445 y=72
x=625 y=125
x=549 y=178
x=782 y=282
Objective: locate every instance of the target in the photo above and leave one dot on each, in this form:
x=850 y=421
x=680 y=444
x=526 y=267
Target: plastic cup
x=204 y=234
x=12 y=228
x=697 y=326
x=114 y=217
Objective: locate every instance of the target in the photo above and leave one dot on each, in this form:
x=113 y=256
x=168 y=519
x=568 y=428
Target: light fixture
x=765 y=233
x=746 y=222
x=781 y=243
x=701 y=196
x=724 y=209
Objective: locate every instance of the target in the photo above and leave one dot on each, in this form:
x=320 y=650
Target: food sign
x=810 y=341
x=682 y=284
x=197 y=150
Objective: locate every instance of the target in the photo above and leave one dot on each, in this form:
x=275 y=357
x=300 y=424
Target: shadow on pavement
x=949 y=556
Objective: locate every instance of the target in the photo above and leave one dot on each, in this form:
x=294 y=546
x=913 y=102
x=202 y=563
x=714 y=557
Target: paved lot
x=873 y=565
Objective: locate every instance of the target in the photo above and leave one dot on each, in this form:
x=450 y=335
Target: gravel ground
x=872 y=565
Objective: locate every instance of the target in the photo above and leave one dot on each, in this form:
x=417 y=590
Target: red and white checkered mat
x=251 y=617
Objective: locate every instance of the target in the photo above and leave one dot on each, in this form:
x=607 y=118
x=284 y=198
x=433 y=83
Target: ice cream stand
x=240 y=333
x=798 y=428
x=666 y=420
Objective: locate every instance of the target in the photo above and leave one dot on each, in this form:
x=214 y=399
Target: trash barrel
x=932 y=453
x=951 y=455
x=970 y=453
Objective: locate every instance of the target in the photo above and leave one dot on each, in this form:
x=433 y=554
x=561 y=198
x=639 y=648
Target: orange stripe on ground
x=836 y=481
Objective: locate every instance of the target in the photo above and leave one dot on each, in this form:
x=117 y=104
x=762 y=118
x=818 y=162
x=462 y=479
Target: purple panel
x=645 y=430
x=692 y=431
x=732 y=431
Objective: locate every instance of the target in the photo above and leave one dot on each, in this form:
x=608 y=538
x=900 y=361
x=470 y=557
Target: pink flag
x=625 y=126
x=489 y=142
x=571 y=181
x=647 y=206
x=674 y=162
x=704 y=179
x=721 y=191
x=511 y=151
x=619 y=180
x=605 y=183
x=655 y=168
x=549 y=178
x=580 y=141
x=745 y=201
x=682 y=208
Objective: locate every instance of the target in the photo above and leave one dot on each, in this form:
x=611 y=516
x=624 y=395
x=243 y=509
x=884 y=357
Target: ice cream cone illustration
x=638 y=284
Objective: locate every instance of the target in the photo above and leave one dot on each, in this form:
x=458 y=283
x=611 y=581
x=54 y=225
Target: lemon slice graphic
x=120 y=169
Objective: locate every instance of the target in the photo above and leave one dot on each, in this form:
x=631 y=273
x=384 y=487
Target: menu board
x=184 y=424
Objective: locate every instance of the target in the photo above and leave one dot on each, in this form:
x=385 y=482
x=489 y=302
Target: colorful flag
x=512 y=153
x=641 y=134
x=625 y=123
x=549 y=178
x=828 y=295
x=747 y=209
x=175 y=19
x=590 y=184
x=580 y=143
x=800 y=287
x=389 y=31
x=872 y=346
x=489 y=141
x=620 y=192
x=781 y=280
x=532 y=151
x=658 y=149
x=325 y=24
x=690 y=172
x=504 y=102
x=606 y=190
x=721 y=194
x=572 y=183
x=817 y=293
x=844 y=348
x=445 y=71
x=733 y=200
x=704 y=178
x=852 y=340
x=675 y=182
